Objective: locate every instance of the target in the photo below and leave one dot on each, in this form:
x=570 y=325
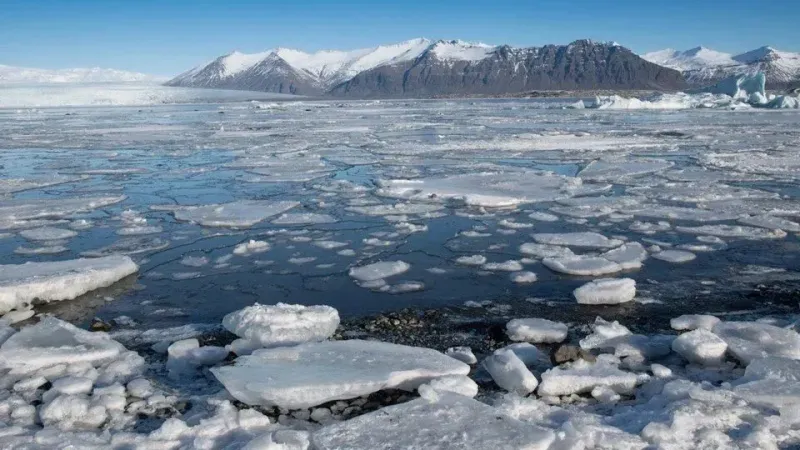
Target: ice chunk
x=251 y=247
x=606 y=291
x=629 y=256
x=185 y=356
x=771 y=222
x=488 y=189
x=583 y=239
x=604 y=332
x=530 y=355
x=506 y=266
x=458 y=384
x=239 y=214
x=473 y=260
x=772 y=382
x=306 y=218
x=545 y=250
x=194 y=261
x=47 y=234
x=53 y=341
x=59 y=280
x=284 y=439
x=282 y=324
x=582 y=265
x=26 y=209
x=509 y=372
x=72 y=411
x=693 y=322
x=543 y=216
x=614 y=170
x=675 y=256
x=583 y=377
x=734 y=231
x=523 y=277
x=379 y=270
x=700 y=347
x=453 y=422
x=129 y=246
x=463 y=354
x=314 y=373
x=750 y=340
x=537 y=331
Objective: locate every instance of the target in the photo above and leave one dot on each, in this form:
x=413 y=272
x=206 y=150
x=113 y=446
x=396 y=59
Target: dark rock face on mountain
x=580 y=65
x=421 y=68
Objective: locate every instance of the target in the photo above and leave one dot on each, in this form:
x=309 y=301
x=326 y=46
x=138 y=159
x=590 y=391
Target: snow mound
x=750 y=340
x=314 y=373
x=537 y=331
x=453 y=422
x=239 y=214
x=606 y=291
x=281 y=324
x=60 y=280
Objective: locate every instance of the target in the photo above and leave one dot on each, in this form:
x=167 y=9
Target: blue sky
x=166 y=37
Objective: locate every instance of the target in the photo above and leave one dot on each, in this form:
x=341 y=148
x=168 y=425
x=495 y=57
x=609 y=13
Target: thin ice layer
x=60 y=280
x=239 y=214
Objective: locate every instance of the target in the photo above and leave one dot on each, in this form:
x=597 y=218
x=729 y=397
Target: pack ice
x=315 y=373
x=22 y=284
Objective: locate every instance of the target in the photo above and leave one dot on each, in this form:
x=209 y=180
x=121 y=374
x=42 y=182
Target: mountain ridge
x=702 y=66
x=423 y=68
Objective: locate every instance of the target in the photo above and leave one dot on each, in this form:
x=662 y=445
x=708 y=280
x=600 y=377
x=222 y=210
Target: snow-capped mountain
x=11 y=74
x=421 y=67
x=701 y=65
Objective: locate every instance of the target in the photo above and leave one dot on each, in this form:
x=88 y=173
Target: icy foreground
x=46 y=282
x=63 y=387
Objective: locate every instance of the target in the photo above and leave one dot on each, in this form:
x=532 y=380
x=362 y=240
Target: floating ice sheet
x=311 y=374
x=60 y=280
x=239 y=214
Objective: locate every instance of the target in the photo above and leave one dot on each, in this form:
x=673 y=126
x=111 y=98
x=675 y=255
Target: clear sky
x=169 y=36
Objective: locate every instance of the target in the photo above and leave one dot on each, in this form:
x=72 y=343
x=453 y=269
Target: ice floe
x=606 y=291
x=582 y=265
x=537 y=331
x=311 y=374
x=239 y=214
x=45 y=282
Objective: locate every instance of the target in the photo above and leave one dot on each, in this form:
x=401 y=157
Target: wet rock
x=567 y=353
x=99 y=324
